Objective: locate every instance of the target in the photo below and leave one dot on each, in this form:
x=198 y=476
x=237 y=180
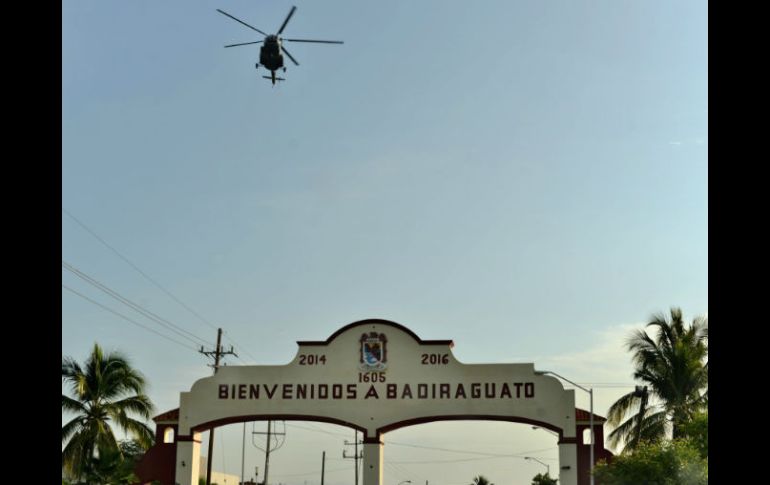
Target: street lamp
x=405 y=481
x=547 y=466
x=590 y=418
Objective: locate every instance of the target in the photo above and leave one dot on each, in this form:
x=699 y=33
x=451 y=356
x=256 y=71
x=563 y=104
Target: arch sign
x=375 y=376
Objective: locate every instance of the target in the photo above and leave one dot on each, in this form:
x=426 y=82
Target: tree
x=667 y=463
x=115 y=467
x=106 y=390
x=541 y=479
x=481 y=480
x=674 y=367
x=697 y=431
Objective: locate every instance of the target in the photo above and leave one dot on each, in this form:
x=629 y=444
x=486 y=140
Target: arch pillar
x=568 y=471
x=373 y=463
x=188 y=459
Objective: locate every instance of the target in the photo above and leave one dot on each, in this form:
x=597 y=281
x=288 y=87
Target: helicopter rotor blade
x=244 y=43
x=291 y=12
x=241 y=21
x=290 y=56
x=318 y=41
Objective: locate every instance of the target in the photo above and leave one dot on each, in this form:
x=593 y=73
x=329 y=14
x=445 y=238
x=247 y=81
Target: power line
x=138 y=308
x=411 y=445
x=404 y=471
x=310 y=473
x=395 y=471
x=149 y=278
x=606 y=383
x=456 y=460
x=600 y=385
x=126 y=318
x=147 y=313
x=466 y=451
x=318 y=431
x=240 y=349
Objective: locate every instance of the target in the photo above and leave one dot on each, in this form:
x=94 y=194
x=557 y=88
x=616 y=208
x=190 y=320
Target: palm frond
x=654 y=427
x=139 y=430
x=621 y=433
x=78 y=452
x=621 y=408
x=70 y=428
x=71 y=405
x=105 y=439
x=139 y=404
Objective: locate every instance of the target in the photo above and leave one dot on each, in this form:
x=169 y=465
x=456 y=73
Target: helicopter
x=270 y=54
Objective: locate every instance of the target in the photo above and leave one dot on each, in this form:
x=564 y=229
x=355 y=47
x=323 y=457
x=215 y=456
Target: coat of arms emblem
x=374 y=351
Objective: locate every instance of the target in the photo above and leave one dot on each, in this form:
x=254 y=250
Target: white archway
x=376 y=376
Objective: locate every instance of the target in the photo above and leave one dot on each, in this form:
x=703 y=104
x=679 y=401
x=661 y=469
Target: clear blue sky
x=526 y=178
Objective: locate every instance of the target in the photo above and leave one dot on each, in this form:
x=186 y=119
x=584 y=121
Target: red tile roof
x=172 y=415
x=583 y=415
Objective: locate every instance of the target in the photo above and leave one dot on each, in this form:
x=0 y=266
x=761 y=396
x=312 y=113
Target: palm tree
x=481 y=480
x=105 y=389
x=674 y=367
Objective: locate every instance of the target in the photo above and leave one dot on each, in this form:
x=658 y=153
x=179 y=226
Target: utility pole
x=216 y=354
x=323 y=465
x=267 y=452
x=243 y=454
x=356 y=455
x=267 y=446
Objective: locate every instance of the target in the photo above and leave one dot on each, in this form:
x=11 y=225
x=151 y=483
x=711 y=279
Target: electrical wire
x=309 y=473
x=127 y=318
x=317 y=430
x=466 y=451
x=460 y=460
x=152 y=280
x=395 y=471
x=147 y=313
x=146 y=276
x=240 y=349
x=411 y=445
